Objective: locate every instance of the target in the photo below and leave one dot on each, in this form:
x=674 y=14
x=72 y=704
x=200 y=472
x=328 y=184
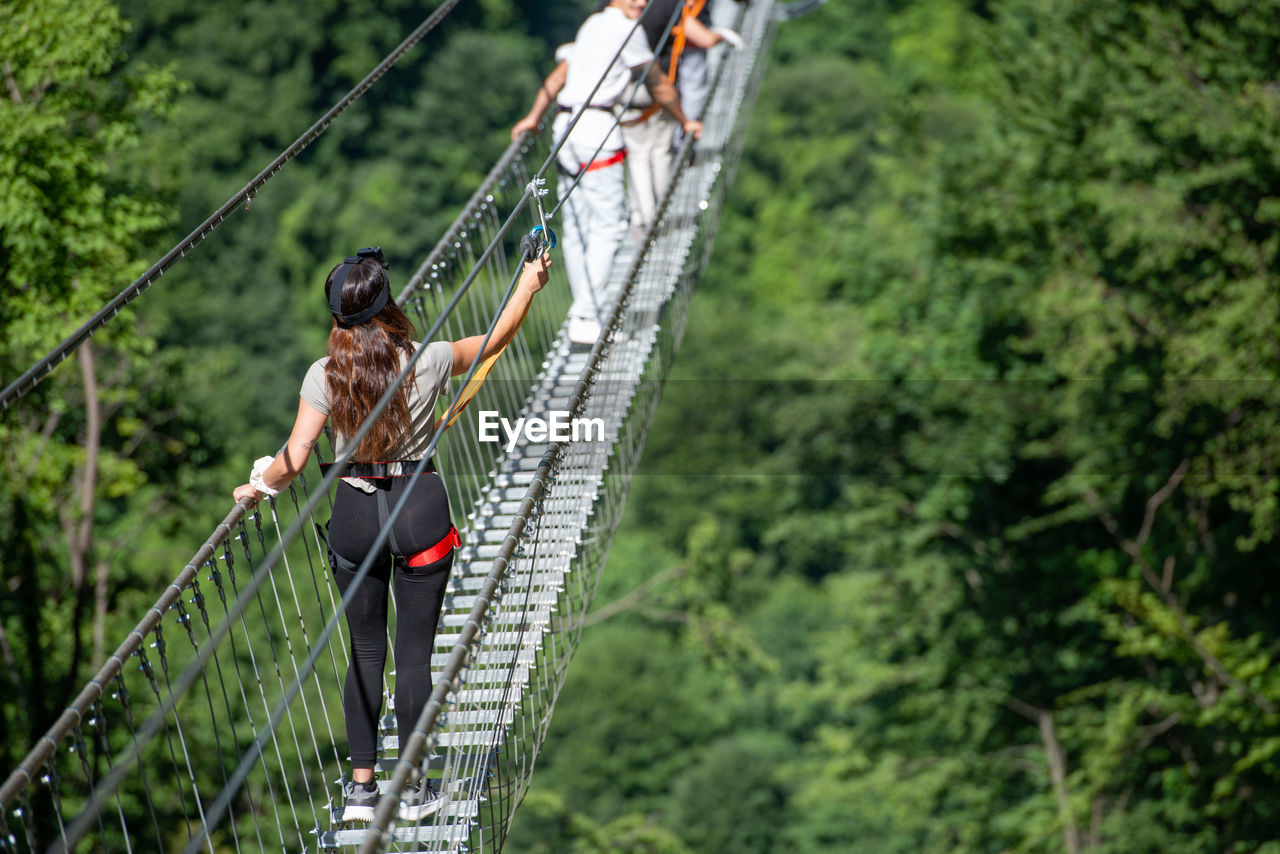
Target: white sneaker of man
x=583 y=330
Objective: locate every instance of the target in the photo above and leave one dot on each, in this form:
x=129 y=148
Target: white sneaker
x=420 y=801
x=358 y=803
x=583 y=330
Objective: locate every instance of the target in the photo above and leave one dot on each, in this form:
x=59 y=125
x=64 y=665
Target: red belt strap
x=617 y=157
x=450 y=542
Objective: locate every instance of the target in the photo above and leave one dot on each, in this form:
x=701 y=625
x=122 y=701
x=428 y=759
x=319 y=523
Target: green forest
x=953 y=529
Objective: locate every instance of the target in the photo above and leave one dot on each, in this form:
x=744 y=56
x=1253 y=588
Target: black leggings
x=419 y=593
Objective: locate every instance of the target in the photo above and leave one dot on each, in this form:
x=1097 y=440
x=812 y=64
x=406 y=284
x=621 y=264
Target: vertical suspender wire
x=51 y=778
x=26 y=813
x=228 y=553
x=495 y=292
x=532 y=561
x=315 y=586
x=81 y=750
x=184 y=619
x=293 y=659
x=229 y=560
x=186 y=753
x=199 y=600
x=149 y=670
x=324 y=707
x=256 y=589
x=100 y=718
x=122 y=694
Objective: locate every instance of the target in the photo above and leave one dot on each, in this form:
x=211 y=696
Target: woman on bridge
x=369 y=345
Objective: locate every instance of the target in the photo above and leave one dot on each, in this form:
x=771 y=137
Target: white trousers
x=593 y=225
x=693 y=81
x=649 y=161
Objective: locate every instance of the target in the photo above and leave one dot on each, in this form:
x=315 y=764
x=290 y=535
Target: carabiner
x=549 y=239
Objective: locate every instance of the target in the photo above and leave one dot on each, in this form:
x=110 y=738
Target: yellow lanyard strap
x=477 y=379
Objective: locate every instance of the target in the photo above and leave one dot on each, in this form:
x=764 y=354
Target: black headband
x=340 y=279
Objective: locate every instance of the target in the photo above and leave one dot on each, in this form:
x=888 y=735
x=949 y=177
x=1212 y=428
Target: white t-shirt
x=597 y=43
x=430 y=378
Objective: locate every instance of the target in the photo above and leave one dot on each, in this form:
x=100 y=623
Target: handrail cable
x=40 y=369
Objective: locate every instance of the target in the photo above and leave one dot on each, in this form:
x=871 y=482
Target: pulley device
x=538 y=235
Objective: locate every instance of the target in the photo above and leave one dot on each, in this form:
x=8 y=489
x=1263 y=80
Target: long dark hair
x=364 y=360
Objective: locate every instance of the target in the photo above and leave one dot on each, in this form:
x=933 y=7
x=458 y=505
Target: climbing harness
x=384 y=471
x=602 y=163
x=379 y=470
x=426 y=557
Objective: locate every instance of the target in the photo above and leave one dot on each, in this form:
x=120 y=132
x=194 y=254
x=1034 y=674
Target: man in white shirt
x=594 y=215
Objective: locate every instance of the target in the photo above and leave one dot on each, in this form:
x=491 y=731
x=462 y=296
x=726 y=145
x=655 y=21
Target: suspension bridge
x=216 y=725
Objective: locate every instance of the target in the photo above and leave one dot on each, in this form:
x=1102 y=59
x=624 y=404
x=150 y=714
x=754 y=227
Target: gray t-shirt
x=430 y=379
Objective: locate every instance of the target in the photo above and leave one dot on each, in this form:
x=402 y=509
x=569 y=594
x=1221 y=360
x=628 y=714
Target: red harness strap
x=450 y=542
x=617 y=157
